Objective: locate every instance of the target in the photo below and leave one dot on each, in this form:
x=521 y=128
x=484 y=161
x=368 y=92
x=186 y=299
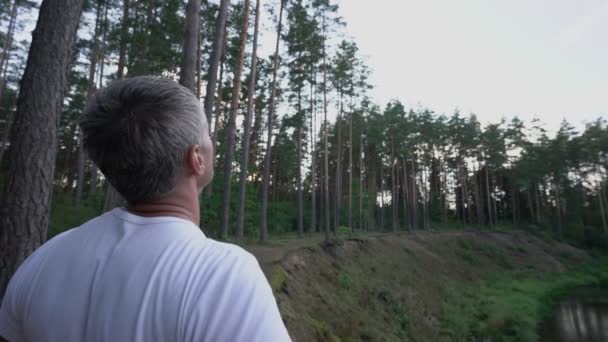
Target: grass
x=403 y=326
x=510 y=306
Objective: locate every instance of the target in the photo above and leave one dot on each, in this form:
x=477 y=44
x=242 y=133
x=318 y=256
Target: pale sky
x=543 y=58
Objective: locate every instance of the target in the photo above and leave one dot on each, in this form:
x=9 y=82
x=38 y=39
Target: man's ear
x=194 y=160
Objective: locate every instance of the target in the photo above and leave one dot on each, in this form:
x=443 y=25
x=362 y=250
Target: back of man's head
x=138 y=131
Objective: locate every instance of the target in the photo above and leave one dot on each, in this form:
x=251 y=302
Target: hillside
x=396 y=286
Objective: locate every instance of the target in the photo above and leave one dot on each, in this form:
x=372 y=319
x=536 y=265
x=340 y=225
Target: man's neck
x=180 y=204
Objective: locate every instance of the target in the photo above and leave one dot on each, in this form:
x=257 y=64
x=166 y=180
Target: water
x=581 y=316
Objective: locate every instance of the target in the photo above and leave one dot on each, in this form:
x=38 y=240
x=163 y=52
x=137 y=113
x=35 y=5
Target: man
x=147 y=272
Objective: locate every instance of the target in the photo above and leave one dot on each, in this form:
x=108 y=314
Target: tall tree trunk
x=113 y=199
x=489 y=198
x=7 y=47
x=414 y=195
x=493 y=200
x=444 y=205
x=28 y=185
x=199 y=63
x=247 y=129
x=231 y=128
x=101 y=64
x=360 y=225
x=4 y=141
x=558 y=207
x=216 y=53
x=124 y=34
x=464 y=195
x=600 y=195
x=423 y=182
x=90 y=91
x=373 y=192
x=531 y=203
x=187 y=73
x=394 y=194
x=538 y=206
x=271 y=111
x=313 y=164
x=325 y=142
x=381 y=195
x=477 y=197
x=300 y=190
x=338 y=191
x=514 y=203
x=219 y=110
x=300 y=193
x=406 y=217
x=350 y=169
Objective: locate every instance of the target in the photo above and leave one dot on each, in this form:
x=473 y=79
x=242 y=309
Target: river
x=580 y=316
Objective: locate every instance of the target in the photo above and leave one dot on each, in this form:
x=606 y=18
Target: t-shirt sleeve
x=245 y=307
x=10 y=324
x=260 y=314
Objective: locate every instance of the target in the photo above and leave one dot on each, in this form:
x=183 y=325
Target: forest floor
x=416 y=285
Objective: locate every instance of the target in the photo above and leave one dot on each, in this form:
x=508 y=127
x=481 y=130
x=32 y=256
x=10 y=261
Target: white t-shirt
x=122 y=277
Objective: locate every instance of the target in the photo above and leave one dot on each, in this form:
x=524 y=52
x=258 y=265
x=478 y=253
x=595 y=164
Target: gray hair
x=138 y=131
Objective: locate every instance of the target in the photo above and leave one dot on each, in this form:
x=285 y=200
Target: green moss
x=278 y=279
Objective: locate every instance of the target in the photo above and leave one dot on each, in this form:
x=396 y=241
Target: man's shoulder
x=231 y=253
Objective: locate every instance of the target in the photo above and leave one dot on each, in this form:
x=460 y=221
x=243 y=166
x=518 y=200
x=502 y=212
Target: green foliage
x=510 y=306
x=65 y=216
x=346 y=281
x=403 y=328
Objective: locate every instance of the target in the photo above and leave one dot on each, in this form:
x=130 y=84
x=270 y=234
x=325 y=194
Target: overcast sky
x=544 y=58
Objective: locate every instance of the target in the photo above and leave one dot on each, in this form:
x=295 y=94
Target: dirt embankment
x=391 y=287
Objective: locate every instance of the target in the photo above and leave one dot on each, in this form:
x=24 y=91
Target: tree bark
x=199 y=64
x=247 y=130
x=463 y=194
x=405 y=196
x=558 y=207
x=394 y=194
x=488 y=197
x=325 y=142
x=112 y=198
x=271 y=111
x=219 y=110
x=338 y=185
x=6 y=49
x=300 y=190
x=414 y=195
x=514 y=203
x=187 y=73
x=381 y=195
x=90 y=90
x=530 y=203
x=214 y=62
x=231 y=128
x=350 y=169
x=313 y=162
x=600 y=195
x=360 y=225
x=28 y=186
x=101 y=63
x=124 y=34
